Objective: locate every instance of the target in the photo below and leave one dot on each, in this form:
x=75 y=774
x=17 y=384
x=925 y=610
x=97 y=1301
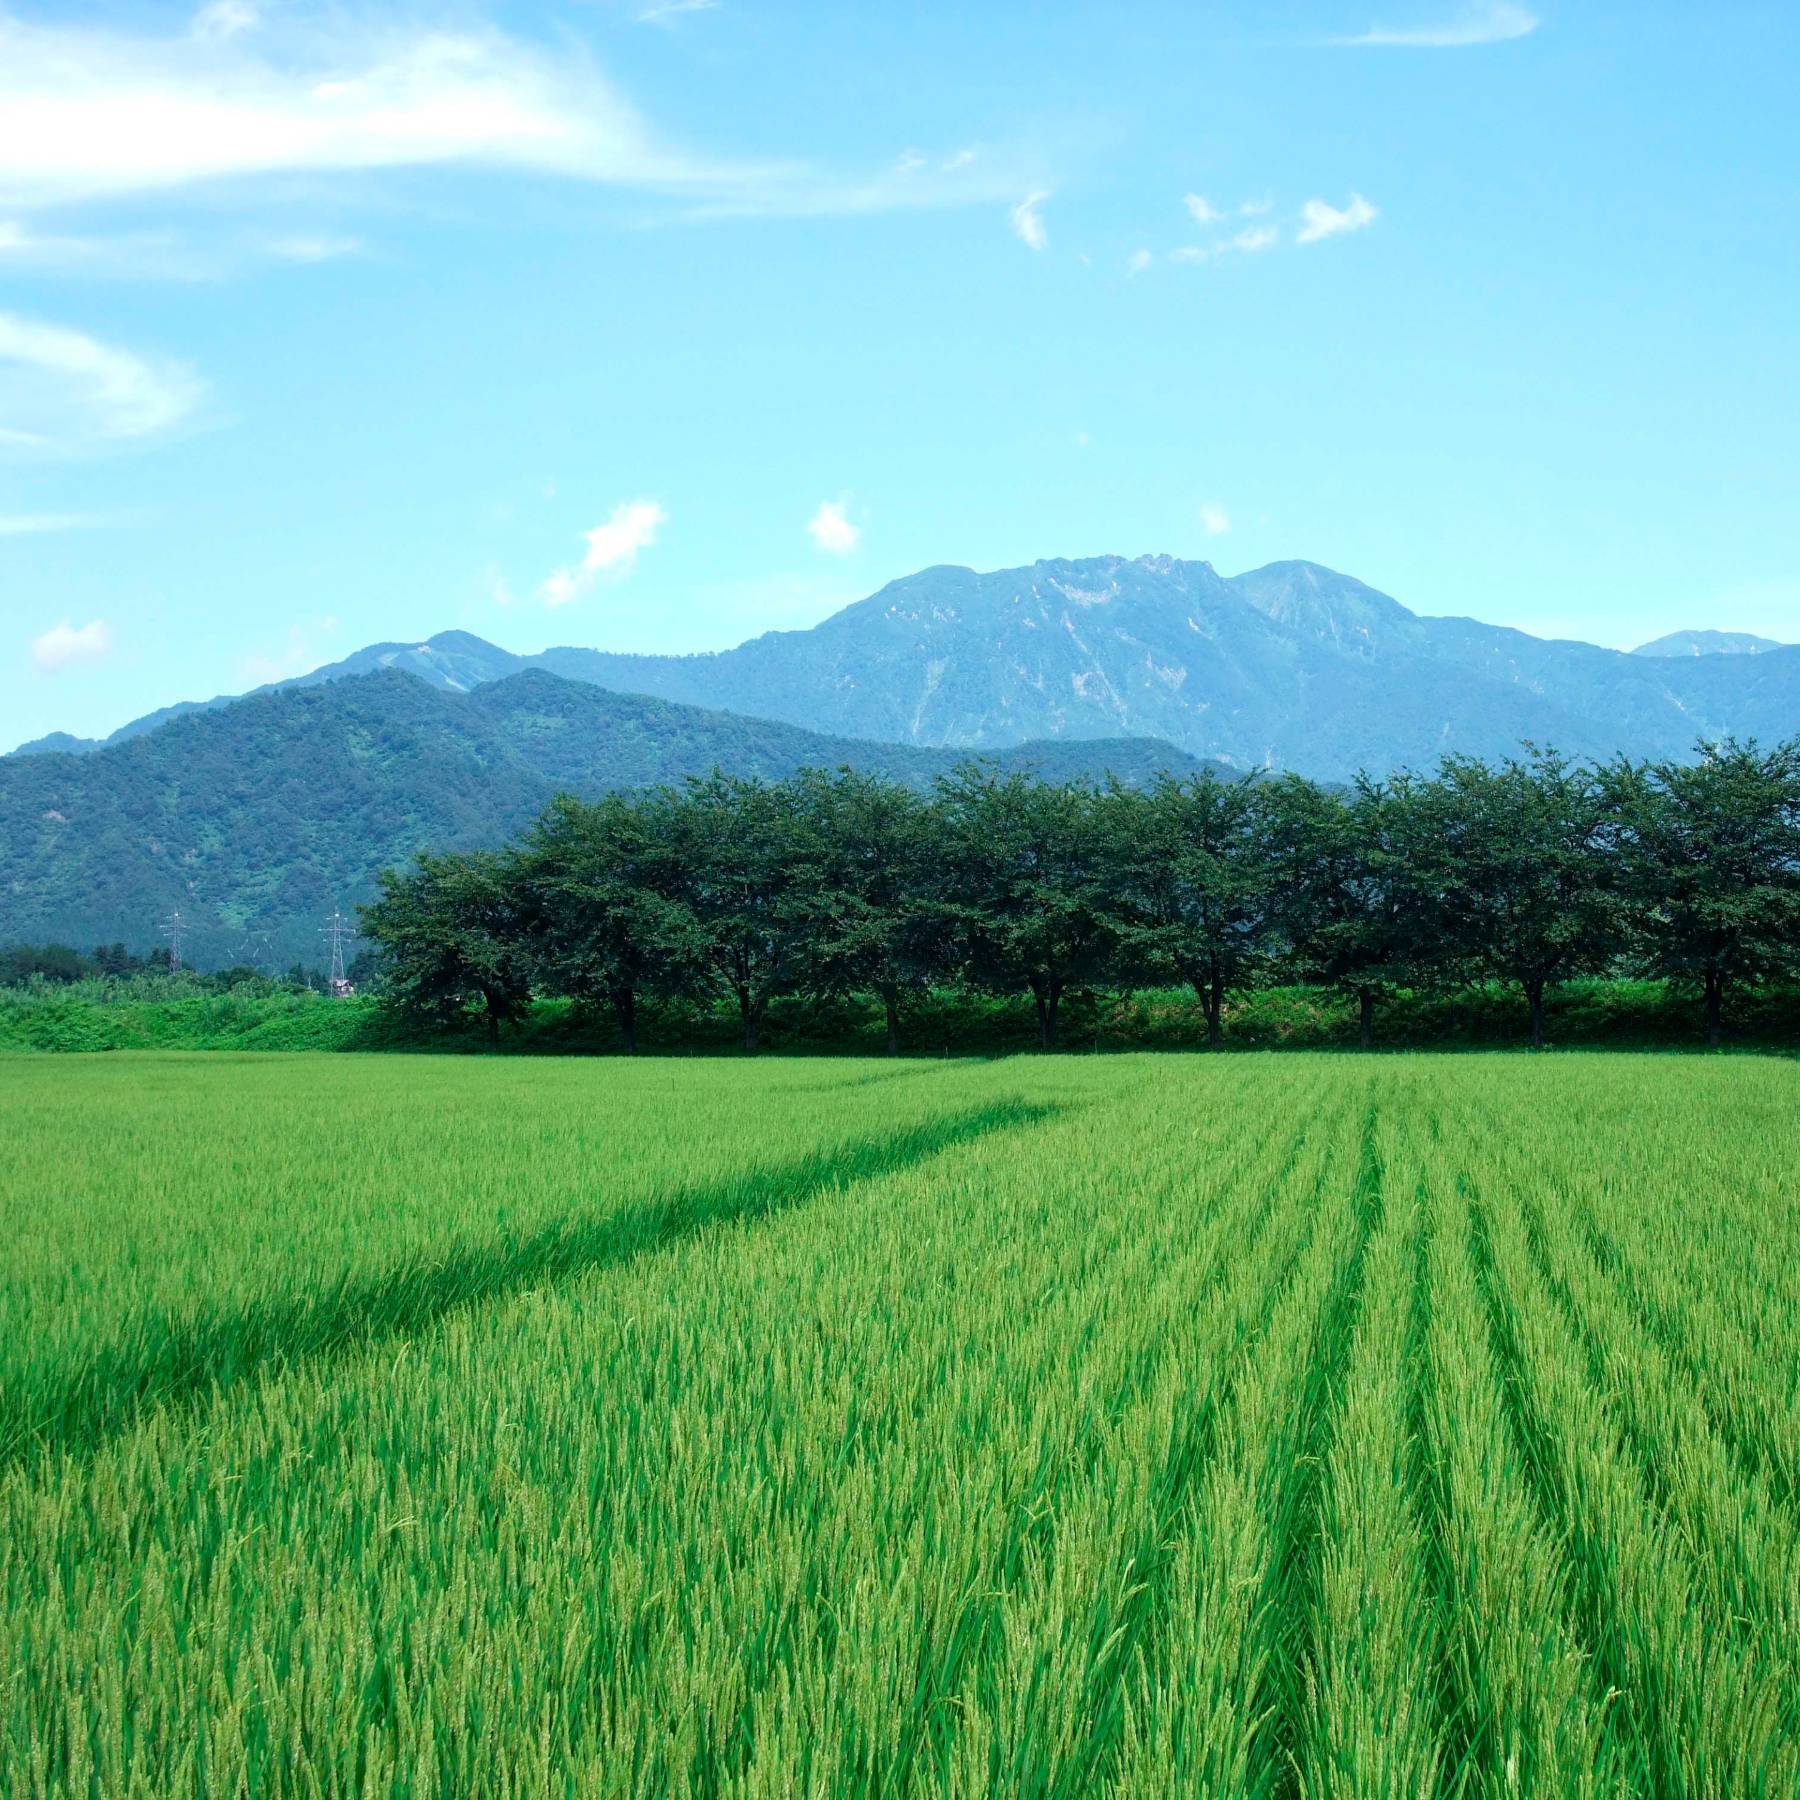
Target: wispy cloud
x=310 y=246
x=1140 y=261
x=1319 y=220
x=1028 y=222
x=1201 y=210
x=831 y=530
x=89 y=114
x=1215 y=521
x=1495 y=22
x=61 y=389
x=612 y=550
x=666 y=12
x=220 y=20
x=38 y=524
x=65 y=644
x=1251 y=241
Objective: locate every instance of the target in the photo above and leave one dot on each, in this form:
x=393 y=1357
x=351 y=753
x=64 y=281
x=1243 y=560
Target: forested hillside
x=258 y=818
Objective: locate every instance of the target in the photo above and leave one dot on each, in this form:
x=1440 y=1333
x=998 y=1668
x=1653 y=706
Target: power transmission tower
x=173 y=926
x=337 y=932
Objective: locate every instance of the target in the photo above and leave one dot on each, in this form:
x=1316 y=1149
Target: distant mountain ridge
x=1291 y=666
x=1708 y=643
x=257 y=818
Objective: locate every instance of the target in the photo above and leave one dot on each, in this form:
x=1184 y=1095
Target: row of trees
x=1530 y=873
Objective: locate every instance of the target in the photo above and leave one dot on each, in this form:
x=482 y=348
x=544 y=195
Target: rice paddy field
x=1307 y=1425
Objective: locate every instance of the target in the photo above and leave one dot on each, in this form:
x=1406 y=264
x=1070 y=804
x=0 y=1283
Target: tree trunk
x=625 y=1004
x=1365 y=1018
x=890 y=996
x=1047 y=1014
x=751 y=1014
x=1212 y=1002
x=1715 y=1008
x=1534 y=992
x=493 y=1025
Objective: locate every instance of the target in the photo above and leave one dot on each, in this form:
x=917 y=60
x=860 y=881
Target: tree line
x=1529 y=873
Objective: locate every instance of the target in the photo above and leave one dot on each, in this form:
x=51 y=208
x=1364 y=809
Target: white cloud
x=1201 y=210
x=1028 y=222
x=612 y=550
x=1140 y=261
x=86 y=113
x=36 y=524
x=1215 y=521
x=1320 y=220
x=64 y=644
x=89 y=114
x=222 y=19
x=1494 y=22
x=61 y=389
x=832 y=531
x=1252 y=240
x=660 y=12
x=310 y=246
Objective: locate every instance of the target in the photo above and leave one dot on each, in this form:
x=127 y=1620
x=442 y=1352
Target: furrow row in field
x=1200 y=1714
x=1708 y=1709
x=1525 y=1711
x=1049 y=1719
x=1746 y=1375
x=1371 y=1723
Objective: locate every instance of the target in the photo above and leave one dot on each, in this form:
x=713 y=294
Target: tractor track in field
x=179 y=1364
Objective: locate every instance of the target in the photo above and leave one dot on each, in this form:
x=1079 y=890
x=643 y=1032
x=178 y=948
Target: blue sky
x=653 y=325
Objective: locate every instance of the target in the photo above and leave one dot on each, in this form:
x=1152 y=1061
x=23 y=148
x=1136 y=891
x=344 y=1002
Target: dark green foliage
x=883 y=924
x=1347 y=899
x=1030 y=874
x=599 y=894
x=1196 y=887
x=748 y=869
x=833 y=887
x=452 y=932
x=1710 y=855
x=1515 y=862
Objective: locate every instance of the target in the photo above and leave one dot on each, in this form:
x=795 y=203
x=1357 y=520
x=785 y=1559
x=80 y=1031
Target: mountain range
x=1290 y=666
x=255 y=815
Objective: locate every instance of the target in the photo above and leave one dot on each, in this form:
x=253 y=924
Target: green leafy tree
x=1196 y=884
x=599 y=899
x=1708 y=855
x=880 y=925
x=749 y=874
x=452 y=930
x=1027 y=865
x=1515 y=861
x=1348 y=909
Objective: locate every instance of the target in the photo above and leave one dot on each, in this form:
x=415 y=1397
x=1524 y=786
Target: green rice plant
x=1267 y=1425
